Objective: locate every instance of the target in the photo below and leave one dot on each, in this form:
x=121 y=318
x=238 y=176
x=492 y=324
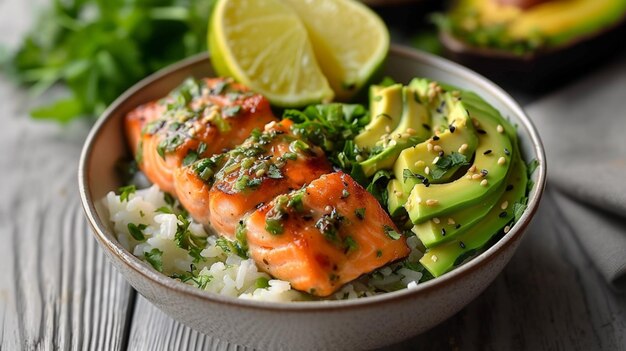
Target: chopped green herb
x=231 y=111
x=295 y=201
x=169 y=199
x=350 y=244
x=274 y=226
x=519 y=208
x=407 y=174
x=190 y=158
x=154 y=257
x=136 y=231
x=345 y=193
x=261 y=283
x=391 y=232
x=360 y=213
x=201 y=148
x=274 y=172
x=164 y=209
x=125 y=192
x=532 y=166
x=379 y=253
x=447 y=162
x=329 y=224
x=231 y=247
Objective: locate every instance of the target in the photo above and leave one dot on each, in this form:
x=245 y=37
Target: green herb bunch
x=99 y=48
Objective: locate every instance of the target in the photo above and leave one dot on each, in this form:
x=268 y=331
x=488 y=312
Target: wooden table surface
x=57 y=291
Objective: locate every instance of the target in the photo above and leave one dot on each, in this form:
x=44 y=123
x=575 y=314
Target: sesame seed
x=451 y=221
x=429 y=146
x=501 y=161
x=426 y=182
x=405 y=135
x=506 y=229
x=504 y=205
x=436 y=220
x=462 y=148
x=358 y=158
x=468 y=176
x=419 y=163
x=328 y=208
x=436 y=159
x=426 y=126
x=507 y=152
x=472 y=169
x=457 y=226
x=500 y=129
x=502 y=214
x=484 y=172
x=443 y=231
x=477 y=176
x=480 y=131
x=487 y=152
x=441 y=153
x=433 y=258
x=260 y=172
x=509 y=187
x=462 y=244
x=435 y=138
x=393 y=143
x=432 y=202
x=411 y=131
x=484 y=182
x=437 y=148
x=452 y=128
x=427 y=170
x=387 y=129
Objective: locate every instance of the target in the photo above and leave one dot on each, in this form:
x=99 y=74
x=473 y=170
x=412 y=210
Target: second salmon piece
x=267 y=164
x=198 y=119
x=324 y=235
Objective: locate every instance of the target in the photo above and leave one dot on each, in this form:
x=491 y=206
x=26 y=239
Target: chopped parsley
x=360 y=213
x=154 y=257
x=350 y=244
x=125 y=192
x=447 y=162
x=391 y=232
x=136 y=231
x=274 y=226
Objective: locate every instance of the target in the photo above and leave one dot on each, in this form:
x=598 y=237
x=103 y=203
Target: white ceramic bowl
x=320 y=325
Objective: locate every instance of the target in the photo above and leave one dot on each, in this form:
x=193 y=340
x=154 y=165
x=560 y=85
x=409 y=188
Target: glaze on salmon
x=197 y=120
x=324 y=235
x=267 y=164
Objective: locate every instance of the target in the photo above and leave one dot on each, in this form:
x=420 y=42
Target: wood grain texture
x=57 y=291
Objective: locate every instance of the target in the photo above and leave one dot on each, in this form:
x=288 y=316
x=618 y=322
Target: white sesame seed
x=411 y=131
x=260 y=172
x=432 y=202
x=429 y=146
x=393 y=143
x=451 y=221
x=475 y=122
x=427 y=170
x=500 y=129
x=387 y=129
x=437 y=148
x=328 y=208
x=433 y=258
x=468 y=176
x=477 y=176
x=484 y=182
x=506 y=229
x=436 y=220
x=472 y=169
x=504 y=205
x=501 y=161
x=462 y=148
x=436 y=160
x=358 y=158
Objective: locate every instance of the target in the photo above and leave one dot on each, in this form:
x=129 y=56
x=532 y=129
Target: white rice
x=224 y=272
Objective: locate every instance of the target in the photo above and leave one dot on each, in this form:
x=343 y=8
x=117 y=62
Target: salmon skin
x=324 y=235
x=197 y=120
x=267 y=164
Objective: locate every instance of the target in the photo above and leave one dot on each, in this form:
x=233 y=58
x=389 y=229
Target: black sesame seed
x=441 y=153
x=484 y=172
x=426 y=126
x=509 y=187
x=435 y=138
x=443 y=231
x=462 y=244
x=452 y=128
x=480 y=131
x=502 y=214
x=487 y=152
x=507 y=152
x=426 y=182
x=457 y=226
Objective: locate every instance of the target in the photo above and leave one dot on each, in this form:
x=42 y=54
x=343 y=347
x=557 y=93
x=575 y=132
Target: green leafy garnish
x=154 y=257
x=125 y=192
x=350 y=244
x=447 y=162
x=360 y=213
x=519 y=208
x=261 y=283
x=98 y=49
x=234 y=247
x=392 y=233
x=187 y=240
x=532 y=166
x=274 y=226
x=136 y=231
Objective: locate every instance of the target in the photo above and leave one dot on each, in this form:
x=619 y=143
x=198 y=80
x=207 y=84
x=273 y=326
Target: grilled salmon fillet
x=267 y=164
x=322 y=236
x=197 y=120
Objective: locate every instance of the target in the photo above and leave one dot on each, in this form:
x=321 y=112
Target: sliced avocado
x=527 y=26
x=386 y=111
x=442 y=258
x=482 y=178
x=410 y=131
x=397 y=197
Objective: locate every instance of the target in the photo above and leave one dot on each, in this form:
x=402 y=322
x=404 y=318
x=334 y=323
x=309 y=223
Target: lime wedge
x=350 y=41
x=264 y=45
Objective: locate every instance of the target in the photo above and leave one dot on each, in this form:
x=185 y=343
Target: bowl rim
x=134 y=263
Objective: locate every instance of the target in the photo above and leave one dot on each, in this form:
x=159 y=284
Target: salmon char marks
x=322 y=236
x=267 y=164
x=198 y=119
